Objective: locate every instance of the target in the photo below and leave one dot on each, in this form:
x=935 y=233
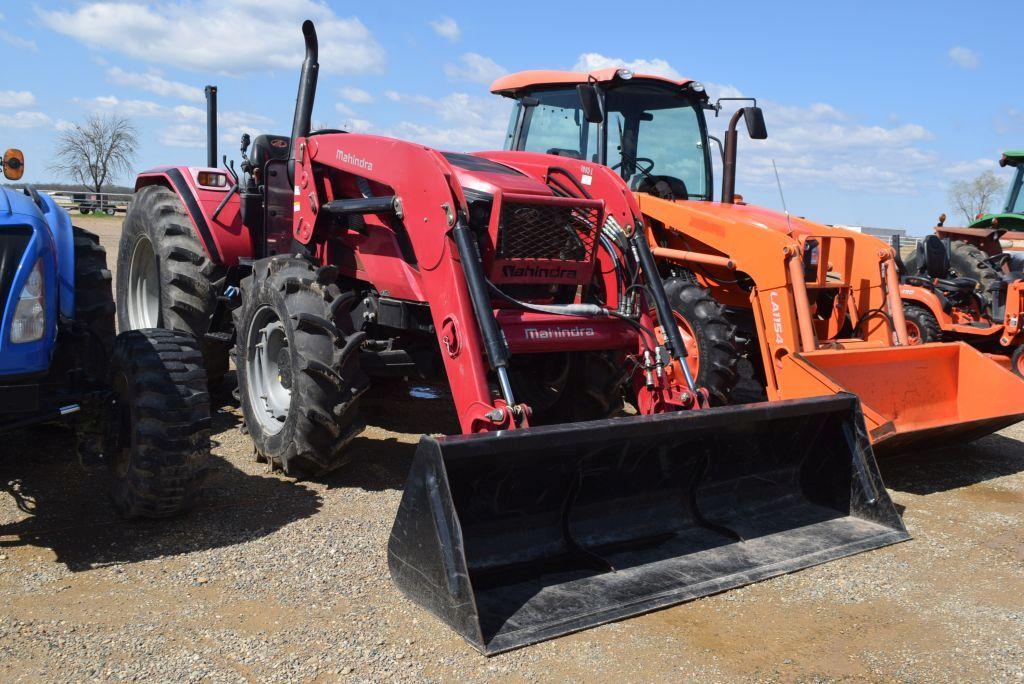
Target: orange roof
x=539 y=77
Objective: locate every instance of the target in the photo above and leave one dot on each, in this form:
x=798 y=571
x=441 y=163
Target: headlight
x=29 y=322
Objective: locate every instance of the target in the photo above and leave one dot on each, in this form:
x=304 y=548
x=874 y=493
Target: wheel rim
x=143 y=287
x=268 y=371
x=913 y=333
x=1020 y=365
x=692 y=348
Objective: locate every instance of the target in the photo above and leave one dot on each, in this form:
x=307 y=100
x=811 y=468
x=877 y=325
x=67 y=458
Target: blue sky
x=872 y=108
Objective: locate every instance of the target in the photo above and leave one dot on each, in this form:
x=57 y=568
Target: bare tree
x=96 y=151
x=974 y=197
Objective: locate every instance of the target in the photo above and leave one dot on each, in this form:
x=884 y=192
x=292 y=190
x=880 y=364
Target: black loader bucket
x=512 y=538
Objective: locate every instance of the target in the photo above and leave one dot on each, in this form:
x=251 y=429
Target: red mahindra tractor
x=525 y=281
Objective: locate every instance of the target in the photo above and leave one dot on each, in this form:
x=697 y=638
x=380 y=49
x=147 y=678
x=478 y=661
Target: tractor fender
x=47 y=222
x=928 y=299
x=224 y=237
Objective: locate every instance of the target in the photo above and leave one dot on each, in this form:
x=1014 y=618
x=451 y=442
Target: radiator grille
x=13 y=241
x=546 y=232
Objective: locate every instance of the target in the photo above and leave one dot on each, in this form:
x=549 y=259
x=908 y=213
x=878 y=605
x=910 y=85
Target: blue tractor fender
x=51 y=243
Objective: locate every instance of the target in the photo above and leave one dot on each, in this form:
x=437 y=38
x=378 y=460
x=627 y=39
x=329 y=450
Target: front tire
x=566 y=387
x=157 y=442
x=298 y=366
x=94 y=303
x=709 y=337
x=164 y=277
x=922 y=326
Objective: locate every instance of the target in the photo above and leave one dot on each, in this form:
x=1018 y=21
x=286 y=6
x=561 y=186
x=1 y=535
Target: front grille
x=13 y=241
x=540 y=232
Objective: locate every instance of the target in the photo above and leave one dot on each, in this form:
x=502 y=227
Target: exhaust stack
x=307 y=92
x=211 y=126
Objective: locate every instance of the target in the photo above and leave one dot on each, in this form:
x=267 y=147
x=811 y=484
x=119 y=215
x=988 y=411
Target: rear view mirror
x=14 y=164
x=755 y=123
x=590 y=102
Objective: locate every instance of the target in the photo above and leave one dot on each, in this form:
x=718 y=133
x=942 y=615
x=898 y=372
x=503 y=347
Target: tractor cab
x=650 y=129
x=1015 y=198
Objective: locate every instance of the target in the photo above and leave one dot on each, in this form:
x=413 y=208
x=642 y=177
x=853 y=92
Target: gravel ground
x=272 y=580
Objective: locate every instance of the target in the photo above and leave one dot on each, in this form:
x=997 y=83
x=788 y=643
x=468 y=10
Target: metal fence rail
x=84 y=202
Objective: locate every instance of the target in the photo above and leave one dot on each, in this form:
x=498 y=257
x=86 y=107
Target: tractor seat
x=665 y=187
x=564 y=152
x=951 y=285
x=268 y=147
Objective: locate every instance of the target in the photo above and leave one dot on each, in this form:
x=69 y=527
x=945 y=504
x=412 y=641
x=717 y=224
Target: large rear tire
x=709 y=336
x=299 y=379
x=158 y=432
x=94 y=304
x=165 y=278
x=566 y=387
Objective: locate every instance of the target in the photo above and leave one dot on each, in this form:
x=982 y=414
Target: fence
x=109 y=203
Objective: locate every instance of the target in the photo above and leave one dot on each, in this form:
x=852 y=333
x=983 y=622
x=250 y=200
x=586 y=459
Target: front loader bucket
x=922 y=395
x=516 y=537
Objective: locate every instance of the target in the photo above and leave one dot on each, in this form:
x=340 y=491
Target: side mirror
x=14 y=164
x=755 y=123
x=590 y=102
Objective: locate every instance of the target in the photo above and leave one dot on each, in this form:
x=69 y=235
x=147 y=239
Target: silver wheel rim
x=143 y=287
x=267 y=379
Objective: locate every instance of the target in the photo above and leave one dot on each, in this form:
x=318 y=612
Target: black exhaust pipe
x=307 y=93
x=729 y=163
x=211 y=126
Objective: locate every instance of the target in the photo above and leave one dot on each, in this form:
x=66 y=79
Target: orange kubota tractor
x=816 y=308
x=955 y=289
x=521 y=281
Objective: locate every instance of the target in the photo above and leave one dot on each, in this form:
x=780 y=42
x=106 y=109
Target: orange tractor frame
x=822 y=303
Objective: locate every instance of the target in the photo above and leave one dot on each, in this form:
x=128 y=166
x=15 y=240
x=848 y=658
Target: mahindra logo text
x=776 y=317
x=559 y=272
x=559 y=333
x=352 y=159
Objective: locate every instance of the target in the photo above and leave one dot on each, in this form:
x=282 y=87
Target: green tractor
x=1012 y=215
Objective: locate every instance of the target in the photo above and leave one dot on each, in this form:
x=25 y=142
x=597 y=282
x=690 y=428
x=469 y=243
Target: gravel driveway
x=273 y=580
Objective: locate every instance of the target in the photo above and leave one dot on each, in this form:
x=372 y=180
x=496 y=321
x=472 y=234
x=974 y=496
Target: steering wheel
x=997 y=261
x=638 y=161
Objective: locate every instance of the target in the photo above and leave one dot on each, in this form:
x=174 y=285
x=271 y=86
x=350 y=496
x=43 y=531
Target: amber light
x=210 y=179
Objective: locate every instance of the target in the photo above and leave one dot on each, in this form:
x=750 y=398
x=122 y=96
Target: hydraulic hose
x=675 y=345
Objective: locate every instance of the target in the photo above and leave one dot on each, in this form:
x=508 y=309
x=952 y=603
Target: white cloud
x=24 y=120
x=592 y=61
x=226 y=36
x=12 y=99
x=462 y=122
x=190 y=129
x=17 y=41
x=964 y=58
x=446 y=27
x=131 y=108
x=476 y=68
x=819 y=145
x=154 y=83
x=63 y=125
x=183 y=135
x=357 y=95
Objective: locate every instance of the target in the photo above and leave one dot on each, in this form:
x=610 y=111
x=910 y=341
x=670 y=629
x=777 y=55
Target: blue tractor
x=137 y=400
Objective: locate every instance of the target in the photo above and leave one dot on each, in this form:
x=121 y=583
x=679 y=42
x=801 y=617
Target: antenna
x=781 y=196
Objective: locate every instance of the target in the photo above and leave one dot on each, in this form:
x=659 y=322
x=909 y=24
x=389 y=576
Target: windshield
x=652 y=132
